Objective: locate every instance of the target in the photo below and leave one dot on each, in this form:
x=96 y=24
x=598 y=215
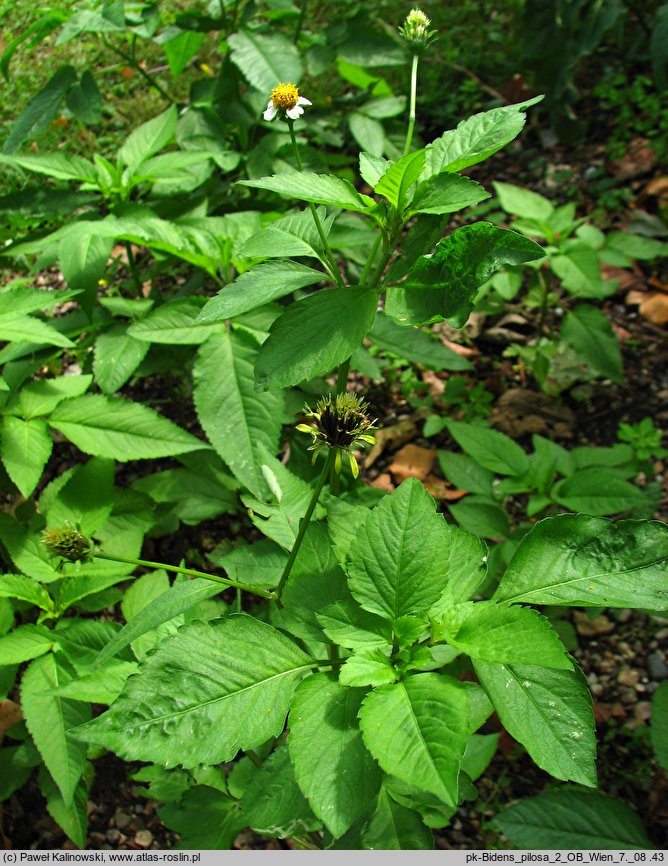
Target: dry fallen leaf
x=658 y=186
x=442 y=490
x=10 y=715
x=639 y=159
x=395 y=434
x=435 y=384
x=520 y=411
x=655 y=309
x=383 y=482
x=627 y=280
x=413 y=461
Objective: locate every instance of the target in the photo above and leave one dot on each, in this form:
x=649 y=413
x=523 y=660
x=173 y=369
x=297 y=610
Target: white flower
x=285 y=98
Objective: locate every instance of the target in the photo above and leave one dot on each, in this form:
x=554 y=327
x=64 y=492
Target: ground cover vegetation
x=312 y=533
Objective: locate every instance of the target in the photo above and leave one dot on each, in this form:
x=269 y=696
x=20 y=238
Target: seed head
x=415 y=30
x=341 y=423
x=68 y=543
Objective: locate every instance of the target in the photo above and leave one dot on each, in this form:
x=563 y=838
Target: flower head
x=69 y=543
x=341 y=423
x=415 y=30
x=285 y=98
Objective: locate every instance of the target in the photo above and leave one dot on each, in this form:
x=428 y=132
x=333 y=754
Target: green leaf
x=398 y=562
x=86 y=499
x=120 y=429
x=414 y=345
x=417 y=730
x=476 y=138
x=372 y=168
x=24 y=643
x=72 y=816
x=162 y=608
x=292 y=235
x=237 y=420
x=42 y=396
x=659 y=727
x=369 y=667
x=260 y=285
x=350 y=626
x=480 y=750
x=41 y=109
x=26 y=329
x=577 y=560
x=16 y=765
x=598 y=491
x=589 y=332
x=26 y=550
x=205 y=818
x=50 y=719
x=180 y=50
x=273 y=803
x=446 y=193
x=397 y=181
x=481 y=516
x=444 y=284
x=465 y=473
x=265 y=59
x=62 y=166
x=258 y=564
x=117 y=356
x=149 y=138
x=393 y=827
x=235 y=676
x=367 y=132
x=492 y=632
x=194 y=495
x=314 y=335
x=26 y=448
x=332 y=766
x=579 y=270
x=523 y=202
x=549 y=712
x=317 y=188
x=83 y=258
x=491 y=449
x=22 y=587
x=101 y=686
x=466 y=566
x=174 y=324
x=577 y=820
x=84 y=100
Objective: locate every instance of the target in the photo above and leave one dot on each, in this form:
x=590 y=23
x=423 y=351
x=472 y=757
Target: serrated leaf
x=414 y=345
x=83 y=260
x=86 y=499
x=589 y=332
x=41 y=109
x=237 y=420
x=16 y=765
x=174 y=323
x=26 y=448
x=577 y=560
x=491 y=449
x=101 y=686
x=62 y=166
x=549 y=712
x=317 y=188
x=508 y=635
x=120 y=429
x=396 y=182
x=598 y=491
x=332 y=766
x=393 y=827
x=72 y=817
x=149 y=138
x=42 y=396
x=417 y=730
x=27 y=329
x=265 y=59
x=577 y=820
x=476 y=138
x=372 y=168
x=292 y=235
x=397 y=562
x=368 y=667
x=117 y=356
x=235 y=676
x=180 y=50
x=24 y=643
x=444 y=284
x=22 y=587
x=273 y=803
x=350 y=626
x=206 y=819
x=262 y=284
x=523 y=202
x=446 y=193
x=314 y=335
x=50 y=720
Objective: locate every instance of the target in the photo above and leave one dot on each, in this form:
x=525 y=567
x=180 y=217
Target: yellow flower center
x=285 y=96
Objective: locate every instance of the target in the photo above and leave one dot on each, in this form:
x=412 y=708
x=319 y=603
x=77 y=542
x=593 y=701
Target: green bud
x=70 y=544
x=415 y=30
x=342 y=423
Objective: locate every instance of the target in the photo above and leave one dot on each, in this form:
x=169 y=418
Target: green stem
x=133 y=63
x=411 y=116
x=132 y=265
x=342 y=377
x=300 y=22
x=372 y=255
x=254 y=757
x=191 y=572
x=303 y=526
x=331 y=261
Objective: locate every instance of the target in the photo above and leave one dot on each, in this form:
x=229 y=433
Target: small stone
x=662 y=634
x=658 y=670
x=113 y=835
x=629 y=696
x=597 y=689
x=590 y=627
x=643 y=711
x=122 y=819
x=624 y=615
x=143 y=838
x=628 y=677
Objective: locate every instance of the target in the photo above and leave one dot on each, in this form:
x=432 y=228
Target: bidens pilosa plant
x=350 y=679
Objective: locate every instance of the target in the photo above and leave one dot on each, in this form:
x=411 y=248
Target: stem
x=132 y=62
x=300 y=22
x=132 y=265
x=543 y=301
x=303 y=526
x=342 y=377
x=331 y=261
x=411 y=116
x=372 y=255
x=254 y=757
x=191 y=572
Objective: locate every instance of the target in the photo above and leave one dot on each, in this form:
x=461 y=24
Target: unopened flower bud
x=68 y=543
x=415 y=30
x=341 y=423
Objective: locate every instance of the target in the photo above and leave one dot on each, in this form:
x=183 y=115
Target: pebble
x=628 y=696
x=624 y=615
x=143 y=838
x=628 y=677
x=662 y=634
x=658 y=670
x=590 y=627
x=122 y=819
x=113 y=835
